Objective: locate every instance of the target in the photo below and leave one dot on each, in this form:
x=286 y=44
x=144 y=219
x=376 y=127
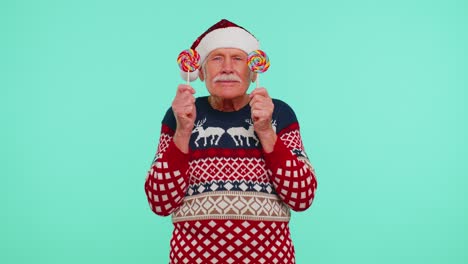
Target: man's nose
x=227 y=66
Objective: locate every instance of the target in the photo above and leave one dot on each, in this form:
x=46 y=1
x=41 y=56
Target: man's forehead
x=227 y=51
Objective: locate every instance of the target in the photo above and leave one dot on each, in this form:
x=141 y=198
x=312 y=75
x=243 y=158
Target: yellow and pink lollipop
x=258 y=62
x=188 y=61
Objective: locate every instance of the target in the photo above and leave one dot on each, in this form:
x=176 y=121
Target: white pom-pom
x=192 y=75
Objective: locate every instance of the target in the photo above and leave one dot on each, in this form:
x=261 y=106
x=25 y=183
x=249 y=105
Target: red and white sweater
x=230 y=202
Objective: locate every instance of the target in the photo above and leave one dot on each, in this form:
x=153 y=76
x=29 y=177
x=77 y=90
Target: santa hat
x=223 y=34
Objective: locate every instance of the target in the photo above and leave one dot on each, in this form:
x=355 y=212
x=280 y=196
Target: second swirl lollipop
x=258 y=62
x=188 y=61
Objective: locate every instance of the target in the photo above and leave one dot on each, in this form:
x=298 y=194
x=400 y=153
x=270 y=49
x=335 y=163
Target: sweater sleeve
x=290 y=170
x=167 y=179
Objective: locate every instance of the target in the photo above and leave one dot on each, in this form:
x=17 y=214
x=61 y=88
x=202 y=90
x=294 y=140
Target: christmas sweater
x=230 y=202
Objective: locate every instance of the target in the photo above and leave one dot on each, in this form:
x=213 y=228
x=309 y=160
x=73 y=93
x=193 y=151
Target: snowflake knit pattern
x=230 y=202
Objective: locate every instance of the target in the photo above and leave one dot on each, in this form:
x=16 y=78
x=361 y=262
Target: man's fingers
x=185 y=88
x=261 y=108
x=260 y=96
x=259 y=99
x=184 y=95
x=183 y=105
x=259 y=91
x=259 y=104
x=261 y=115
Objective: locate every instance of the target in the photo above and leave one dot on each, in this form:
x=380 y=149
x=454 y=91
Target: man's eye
x=238 y=58
x=216 y=58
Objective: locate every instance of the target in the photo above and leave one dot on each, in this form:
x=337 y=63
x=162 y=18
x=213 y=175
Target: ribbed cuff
x=279 y=154
x=176 y=157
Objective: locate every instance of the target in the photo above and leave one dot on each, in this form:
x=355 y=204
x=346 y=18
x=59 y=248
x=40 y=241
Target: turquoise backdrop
x=379 y=88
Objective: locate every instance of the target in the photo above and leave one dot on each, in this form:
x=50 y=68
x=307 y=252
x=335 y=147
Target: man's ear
x=200 y=74
x=253 y=76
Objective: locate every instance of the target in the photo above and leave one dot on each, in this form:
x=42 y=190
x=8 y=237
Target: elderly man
x=229 y=166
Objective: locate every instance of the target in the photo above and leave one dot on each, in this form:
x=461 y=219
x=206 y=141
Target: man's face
x=226 y=73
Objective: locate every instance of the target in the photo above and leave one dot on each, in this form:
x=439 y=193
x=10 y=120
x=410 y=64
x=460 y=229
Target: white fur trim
x=230 y=37
x=192 y=75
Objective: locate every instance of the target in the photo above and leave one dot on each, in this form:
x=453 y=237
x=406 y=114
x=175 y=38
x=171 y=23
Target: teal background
x=379 y=88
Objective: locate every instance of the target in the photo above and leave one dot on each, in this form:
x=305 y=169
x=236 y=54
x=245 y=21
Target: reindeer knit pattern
x=230 y=202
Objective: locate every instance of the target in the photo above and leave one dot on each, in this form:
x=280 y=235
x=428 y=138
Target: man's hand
x=185 y=113
x=262 y=110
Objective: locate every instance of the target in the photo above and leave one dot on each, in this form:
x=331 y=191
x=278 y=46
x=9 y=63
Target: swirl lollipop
x=258 y=62
x=188 y=61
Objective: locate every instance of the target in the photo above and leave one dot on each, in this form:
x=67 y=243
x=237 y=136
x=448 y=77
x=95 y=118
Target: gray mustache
x=227 y=77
